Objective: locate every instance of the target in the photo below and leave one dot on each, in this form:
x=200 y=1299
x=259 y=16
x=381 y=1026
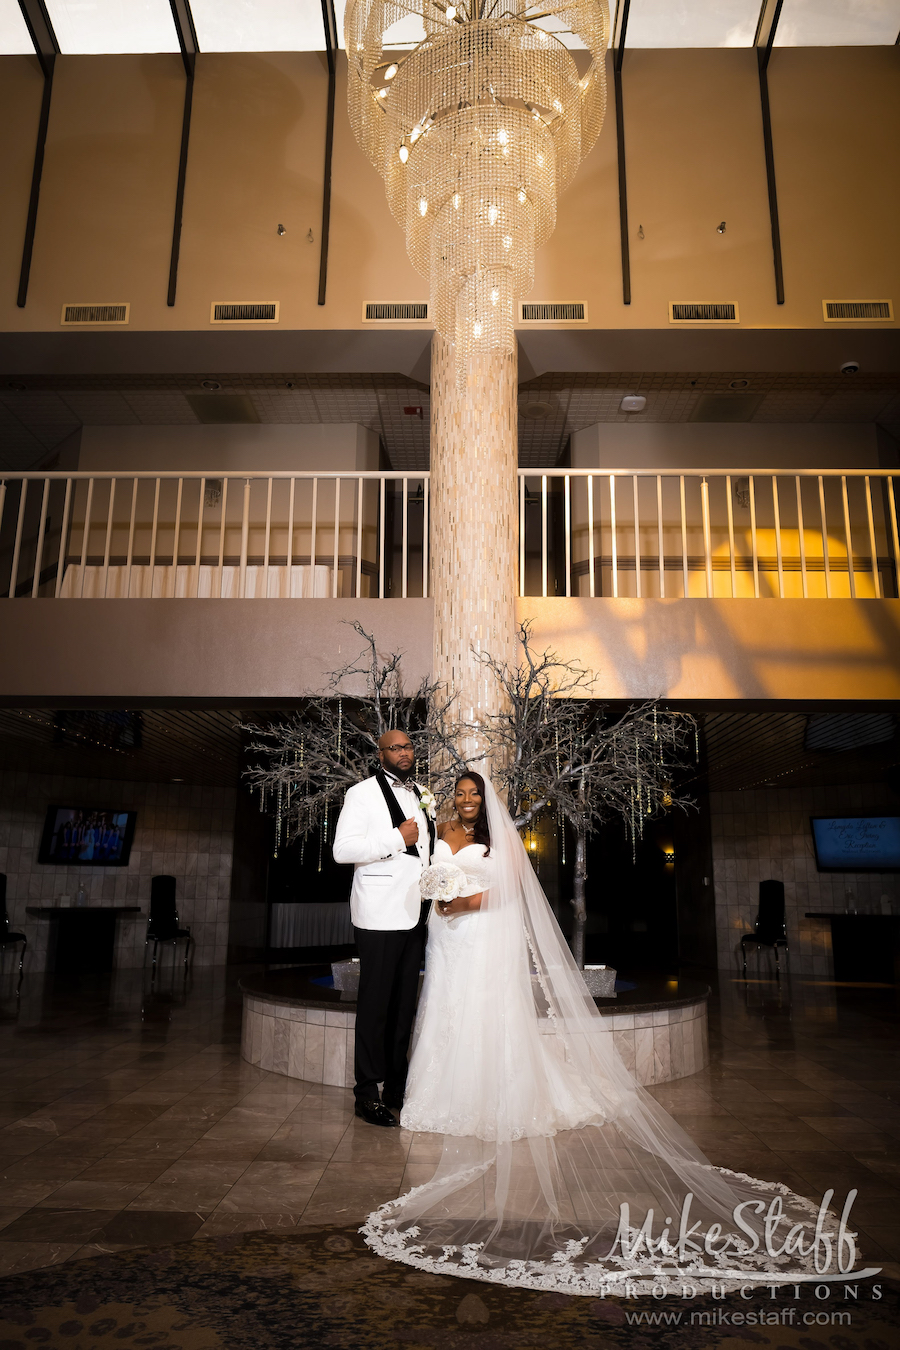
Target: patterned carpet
x=323 y=1287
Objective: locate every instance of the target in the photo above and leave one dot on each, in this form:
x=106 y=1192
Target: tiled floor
x=127 y=1118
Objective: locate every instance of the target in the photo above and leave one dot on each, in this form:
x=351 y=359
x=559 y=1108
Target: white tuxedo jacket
x=385 y=892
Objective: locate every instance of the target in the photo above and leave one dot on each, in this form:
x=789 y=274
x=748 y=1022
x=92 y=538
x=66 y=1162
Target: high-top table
x=82 y=937
x=865 y=947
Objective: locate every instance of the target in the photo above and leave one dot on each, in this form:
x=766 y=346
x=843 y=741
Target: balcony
x=653 y=580
x=640 y=535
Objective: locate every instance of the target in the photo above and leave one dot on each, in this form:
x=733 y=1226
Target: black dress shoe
x=395 y=1103
x=375 y=1114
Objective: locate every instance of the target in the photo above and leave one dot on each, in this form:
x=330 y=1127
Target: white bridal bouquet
x=441 y=881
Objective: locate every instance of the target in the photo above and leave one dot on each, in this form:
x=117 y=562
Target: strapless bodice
x=471 y=860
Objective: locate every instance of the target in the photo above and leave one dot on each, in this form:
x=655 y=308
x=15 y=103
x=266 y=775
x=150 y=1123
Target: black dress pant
x=389 y=965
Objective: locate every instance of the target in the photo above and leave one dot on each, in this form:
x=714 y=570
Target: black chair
x=769 y=929
x=8 y=938
x=162 y=923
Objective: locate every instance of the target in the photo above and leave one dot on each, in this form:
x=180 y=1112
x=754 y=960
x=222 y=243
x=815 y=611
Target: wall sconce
x=281 y=231
x=720 y=228
x=669 y=855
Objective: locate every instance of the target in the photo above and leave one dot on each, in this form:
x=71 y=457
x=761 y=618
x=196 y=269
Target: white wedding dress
x=449 y=1033
x=558 y=1171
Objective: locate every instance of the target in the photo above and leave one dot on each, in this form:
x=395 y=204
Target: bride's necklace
x=467 y=829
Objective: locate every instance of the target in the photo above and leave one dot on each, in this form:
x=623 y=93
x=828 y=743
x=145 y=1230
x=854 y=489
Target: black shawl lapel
x=393 y=806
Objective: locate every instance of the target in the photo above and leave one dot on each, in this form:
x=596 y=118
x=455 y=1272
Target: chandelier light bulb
x=509 y=116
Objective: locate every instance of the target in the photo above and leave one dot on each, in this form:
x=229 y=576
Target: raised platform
x=299 y=1027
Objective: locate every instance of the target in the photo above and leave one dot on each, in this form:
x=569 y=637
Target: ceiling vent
x=246 y=312
x=535 y=313
x=374 y=312
x=83 y=316
x=857 y=311
x=703 y=313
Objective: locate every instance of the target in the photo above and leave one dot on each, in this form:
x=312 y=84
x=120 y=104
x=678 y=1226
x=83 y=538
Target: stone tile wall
x=185 y=832
x=763 y=834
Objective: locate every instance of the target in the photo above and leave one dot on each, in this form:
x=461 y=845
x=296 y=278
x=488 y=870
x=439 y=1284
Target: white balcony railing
x=807 y=534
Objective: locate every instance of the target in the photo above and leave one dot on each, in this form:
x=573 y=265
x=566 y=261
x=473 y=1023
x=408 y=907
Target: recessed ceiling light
x=210 y=384
x=739 y=384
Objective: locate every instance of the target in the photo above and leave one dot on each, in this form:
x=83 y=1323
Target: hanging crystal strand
x=633 y=833
x=340 y=727
x=696 y=743
x=278 y=820
x=322 y=838
x=302 y=849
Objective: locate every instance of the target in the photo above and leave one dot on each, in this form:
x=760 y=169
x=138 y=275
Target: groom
x=384 y=831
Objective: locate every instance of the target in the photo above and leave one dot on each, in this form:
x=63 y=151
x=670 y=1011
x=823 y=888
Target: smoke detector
x=633 y=403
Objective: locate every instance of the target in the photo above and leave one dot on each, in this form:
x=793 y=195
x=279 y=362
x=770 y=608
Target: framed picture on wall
x=87 y=836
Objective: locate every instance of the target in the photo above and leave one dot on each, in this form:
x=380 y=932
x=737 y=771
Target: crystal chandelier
x=476 y=117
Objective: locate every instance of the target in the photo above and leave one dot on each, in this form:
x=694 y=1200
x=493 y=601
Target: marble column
x=474 y=527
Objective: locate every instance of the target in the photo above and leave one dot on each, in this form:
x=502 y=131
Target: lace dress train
x=557 y=1169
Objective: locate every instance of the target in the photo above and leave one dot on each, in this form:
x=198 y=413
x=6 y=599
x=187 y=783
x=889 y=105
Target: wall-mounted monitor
x=87 y=836
x=856 y=843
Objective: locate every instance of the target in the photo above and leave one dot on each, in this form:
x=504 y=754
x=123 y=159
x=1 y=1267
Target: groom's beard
x=401 y=774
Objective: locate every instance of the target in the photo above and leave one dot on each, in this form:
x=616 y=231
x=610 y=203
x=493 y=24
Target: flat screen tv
x=856 y=843
x=87 y=836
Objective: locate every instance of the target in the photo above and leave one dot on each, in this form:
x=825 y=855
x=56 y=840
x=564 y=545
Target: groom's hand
x=410 y=831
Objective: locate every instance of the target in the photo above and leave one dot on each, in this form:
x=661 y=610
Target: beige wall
x=694 y=145
x=230 y=449
x=709 y=445
x=240 y=650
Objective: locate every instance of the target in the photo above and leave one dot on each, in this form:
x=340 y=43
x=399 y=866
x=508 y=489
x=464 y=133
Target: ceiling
x=199 y=747
x=202 y=747
x=118 y=26
x=38 y=414
x=770 y=749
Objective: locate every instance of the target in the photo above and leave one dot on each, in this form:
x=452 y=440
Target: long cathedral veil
x=570 y=1176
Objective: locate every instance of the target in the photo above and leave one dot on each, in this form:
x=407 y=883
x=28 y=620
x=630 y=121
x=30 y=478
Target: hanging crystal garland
x=476 y=127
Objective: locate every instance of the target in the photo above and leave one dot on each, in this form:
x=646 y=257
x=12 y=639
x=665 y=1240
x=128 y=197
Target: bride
x=558 y=1170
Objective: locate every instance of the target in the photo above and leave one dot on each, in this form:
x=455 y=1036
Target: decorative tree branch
x=555 y=747
x=305 y=763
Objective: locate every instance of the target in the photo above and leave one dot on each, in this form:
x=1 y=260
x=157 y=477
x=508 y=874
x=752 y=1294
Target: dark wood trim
x=329 y=23
x=179 y=190
x=619 y=29
x=765 y=36
x=187 y=42
x=46 y=48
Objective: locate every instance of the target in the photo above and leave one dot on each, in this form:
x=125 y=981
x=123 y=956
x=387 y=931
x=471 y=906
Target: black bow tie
x=409 y=784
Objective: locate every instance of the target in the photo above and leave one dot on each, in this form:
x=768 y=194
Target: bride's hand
x=462 y=904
